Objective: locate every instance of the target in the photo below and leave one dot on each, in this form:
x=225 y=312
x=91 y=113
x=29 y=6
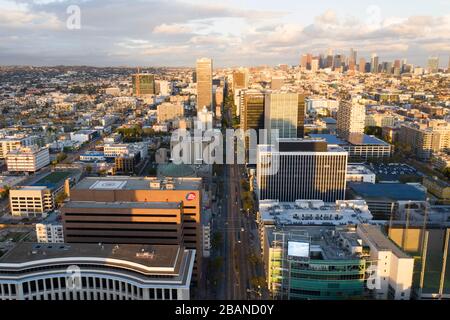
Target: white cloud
x=174 y=28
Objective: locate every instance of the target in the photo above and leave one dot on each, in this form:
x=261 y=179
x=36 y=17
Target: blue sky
x=232 y=32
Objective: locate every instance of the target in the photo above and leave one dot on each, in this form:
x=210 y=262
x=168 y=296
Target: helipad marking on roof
x=108 y=185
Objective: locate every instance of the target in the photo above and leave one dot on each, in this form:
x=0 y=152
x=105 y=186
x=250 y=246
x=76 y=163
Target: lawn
x=54 y=178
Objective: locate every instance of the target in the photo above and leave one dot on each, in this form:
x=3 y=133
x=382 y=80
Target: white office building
x=392 y=268
x=27 y=159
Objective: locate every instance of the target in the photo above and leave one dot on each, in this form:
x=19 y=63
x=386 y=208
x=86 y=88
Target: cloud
x=177 y=32
x=174 y=28
x=18 y=16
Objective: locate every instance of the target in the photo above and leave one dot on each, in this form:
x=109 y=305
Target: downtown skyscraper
x=204 y=84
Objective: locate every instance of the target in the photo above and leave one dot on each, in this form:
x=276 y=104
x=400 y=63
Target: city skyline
x=175 y=33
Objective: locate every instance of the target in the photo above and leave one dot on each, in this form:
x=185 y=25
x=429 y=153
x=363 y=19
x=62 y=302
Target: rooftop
x=365 y=140
x=326 y=243
x=314 y=212
x=135 y=183
x=143 y=258
x=387 y=191
x=380 y=240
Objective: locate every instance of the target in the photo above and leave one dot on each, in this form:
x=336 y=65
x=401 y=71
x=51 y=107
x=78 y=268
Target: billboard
x=298 y=249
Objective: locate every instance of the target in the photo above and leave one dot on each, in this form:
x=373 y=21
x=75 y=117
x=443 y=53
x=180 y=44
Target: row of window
x=55 y=288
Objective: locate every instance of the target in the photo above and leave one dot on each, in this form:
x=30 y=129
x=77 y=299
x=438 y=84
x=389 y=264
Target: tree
x=258 y=282
x=61 y=157
x=5 y=192
x=61 y=197
x=88 y=169
x=217 y=240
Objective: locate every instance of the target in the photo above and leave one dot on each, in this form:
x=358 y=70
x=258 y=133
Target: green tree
x=60 y=198
x=61 y=157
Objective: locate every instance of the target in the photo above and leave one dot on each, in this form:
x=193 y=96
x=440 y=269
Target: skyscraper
x=315 y=65
x=433 y=64
x=143 y=84
x=304 y=61
x=374 y=63
x=301 y=169
x=285 y=111
x=204 y=83
x=362 y=65
x=353 y=57
x=240 y=79
x=350 y=120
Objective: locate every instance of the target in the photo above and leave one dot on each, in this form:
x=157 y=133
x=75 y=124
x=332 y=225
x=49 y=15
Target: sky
x=231 y=32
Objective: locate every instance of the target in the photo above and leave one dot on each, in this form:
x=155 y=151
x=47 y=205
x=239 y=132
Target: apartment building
x=168 y=112
x=426 y=138
x=50 y=230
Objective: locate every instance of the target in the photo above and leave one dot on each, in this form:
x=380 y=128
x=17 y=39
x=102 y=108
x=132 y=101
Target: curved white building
x=96 y=272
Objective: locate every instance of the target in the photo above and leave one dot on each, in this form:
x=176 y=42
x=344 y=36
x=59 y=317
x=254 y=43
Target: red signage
x=191 y=196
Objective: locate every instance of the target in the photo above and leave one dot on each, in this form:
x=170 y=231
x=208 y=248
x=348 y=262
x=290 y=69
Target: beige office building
x=31 y=201
x=204 y=83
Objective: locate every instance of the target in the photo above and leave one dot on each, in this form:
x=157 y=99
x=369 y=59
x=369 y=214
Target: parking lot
x=393 y=171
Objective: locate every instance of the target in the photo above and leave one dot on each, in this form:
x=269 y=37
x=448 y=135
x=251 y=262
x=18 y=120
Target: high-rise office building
x=374 y=63
x=315 y=65
x=301 y=169
x=204 y=83
x=135 y=210
x=351 y=119
x=252 y=115
x=240 y=79
x=433 y=65
x=143 y=84
x=304 y=61
x=362 y=65
x=285 y=111
x=353 y=57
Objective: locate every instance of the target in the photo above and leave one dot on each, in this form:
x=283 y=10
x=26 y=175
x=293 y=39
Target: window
x=159 y=294
x=167 y=294
x=174 y=294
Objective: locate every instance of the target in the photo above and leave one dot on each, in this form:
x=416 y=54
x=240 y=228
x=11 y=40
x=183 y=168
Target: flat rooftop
x=148 y=256
x=271 y=148
x=365 y=140
x=135 y=183
x=380 y=240
x=314 y=212
x=321 y=240
x=387 y=191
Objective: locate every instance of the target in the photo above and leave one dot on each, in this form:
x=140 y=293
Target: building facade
x=306 y=170
x=27 y=159
x=96 y=272
x=31 y=201
x=204 y=83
